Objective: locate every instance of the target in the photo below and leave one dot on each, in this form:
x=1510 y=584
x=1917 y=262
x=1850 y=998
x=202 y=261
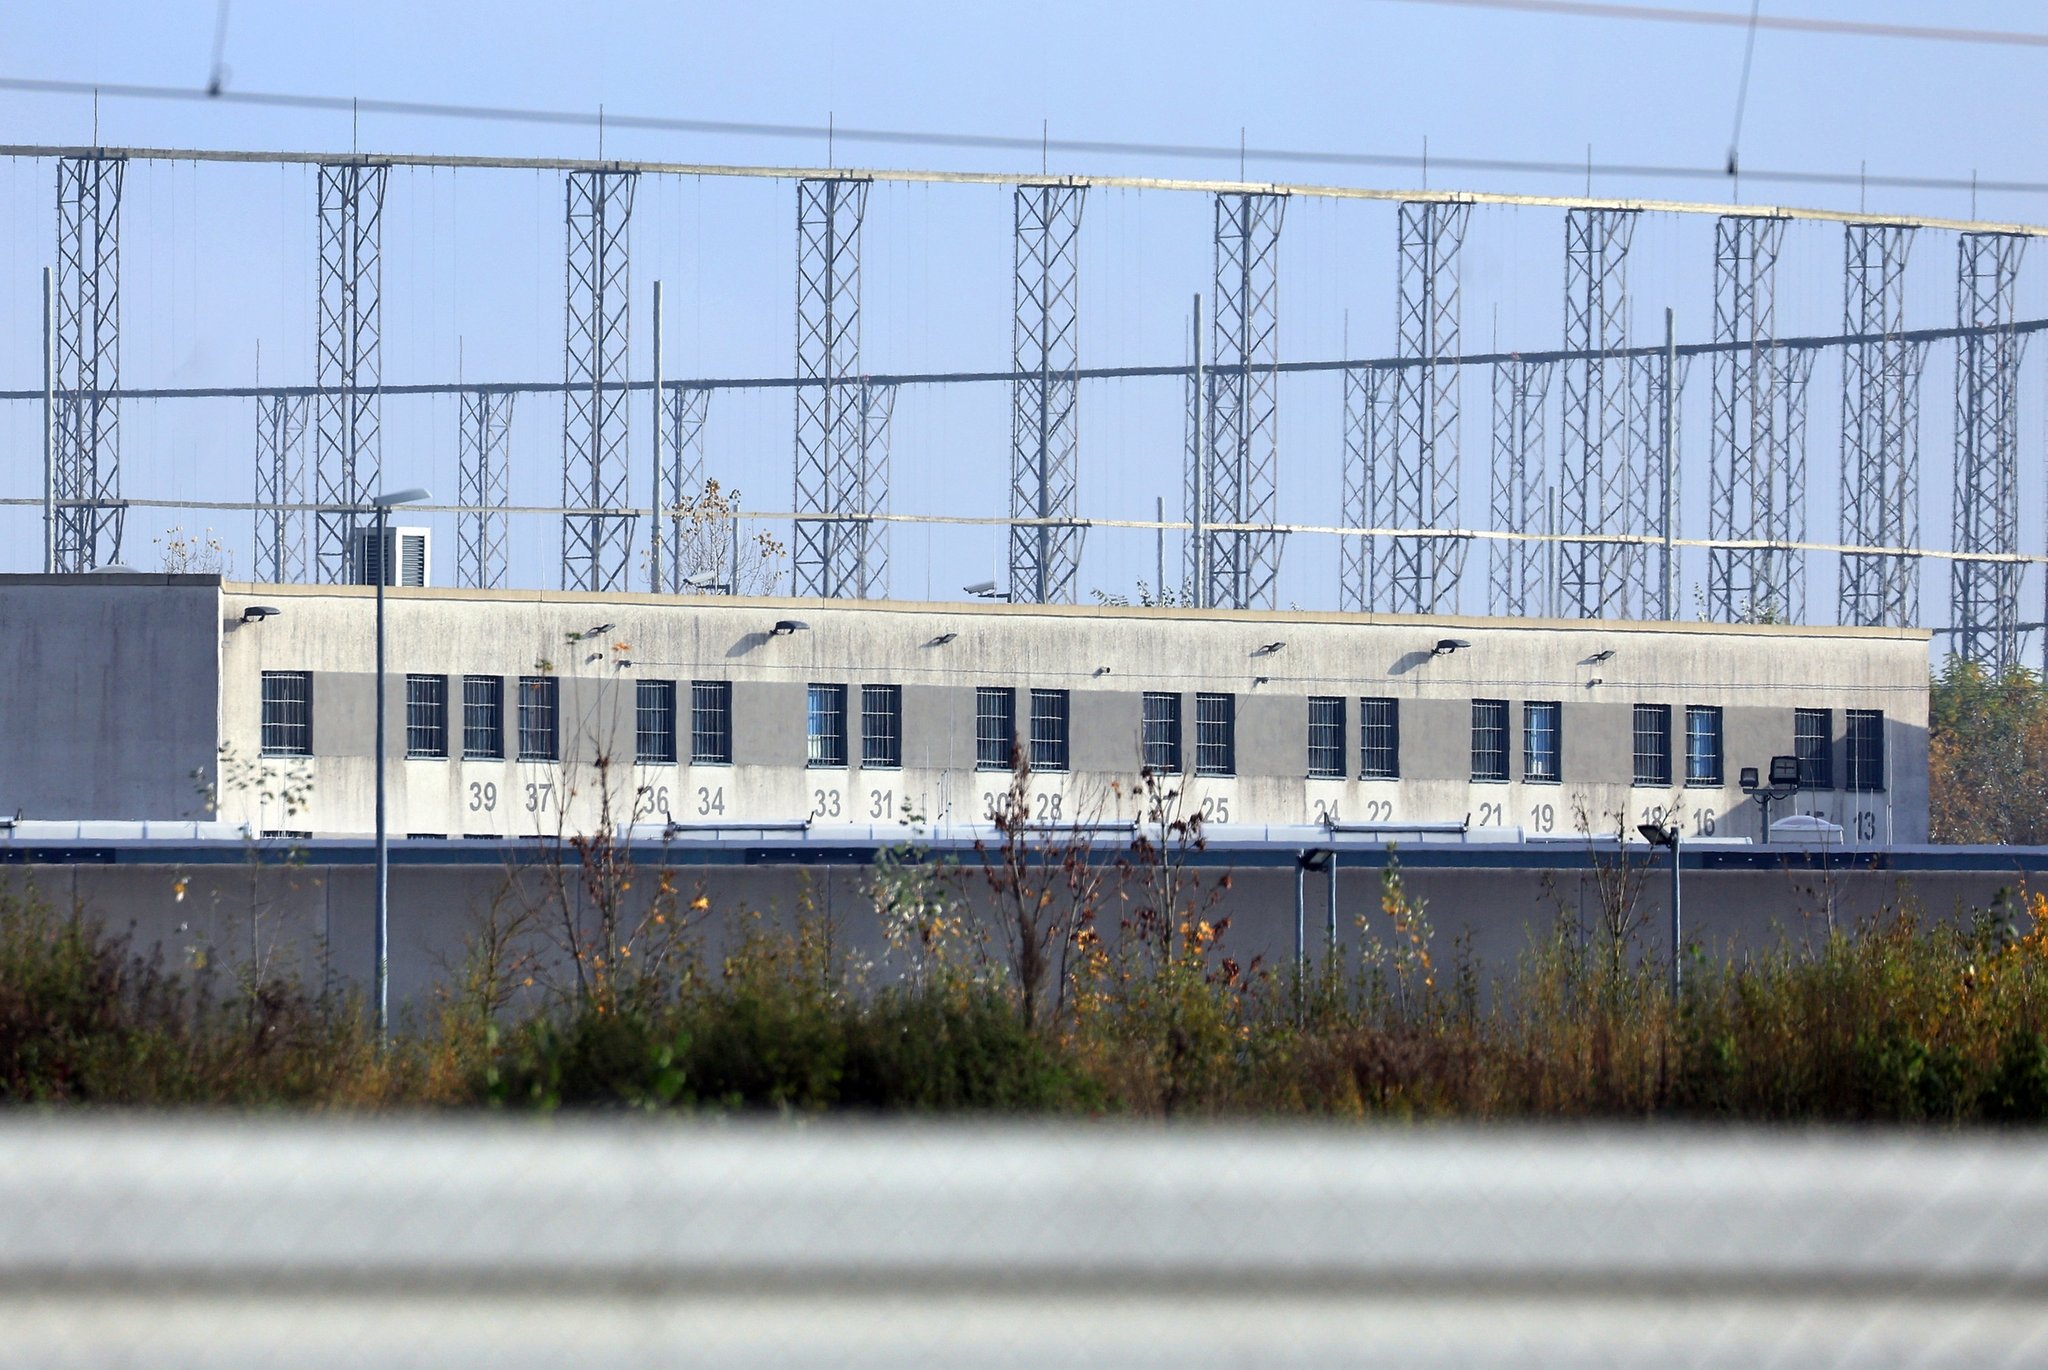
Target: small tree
x=705 y=547
x=1046 y=889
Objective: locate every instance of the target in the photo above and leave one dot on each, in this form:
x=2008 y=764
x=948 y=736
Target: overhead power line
x=1847 y=28
x=1036 y=145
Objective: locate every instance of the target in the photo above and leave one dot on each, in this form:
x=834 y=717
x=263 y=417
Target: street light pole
x=382 y=504
x=1667 y=836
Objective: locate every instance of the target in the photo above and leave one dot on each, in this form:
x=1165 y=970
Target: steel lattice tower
x=1593 y=458
x=837 y=474
x=1652 y=391
x=1044 y=425
x=348 y=360
x=685 y=409
x=1367 y=437
x=483 y=479
x=280 y=484
x=1880 y=430
x=597 y=546
x=1239 y=481
x=88 y=356
x=1986 y=594
x=1516 y=571
x=1420 y=575
x=1752 y=489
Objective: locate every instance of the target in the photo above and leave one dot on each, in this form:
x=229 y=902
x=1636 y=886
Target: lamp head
x=785 y=626
x=256 y=613
x=1749 y=785
x=411 y=495
x=1657 y=835
x=1785 y=771
x=1446 y=645
x=1604 y=654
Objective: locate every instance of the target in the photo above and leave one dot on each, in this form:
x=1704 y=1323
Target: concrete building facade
x=513 y=713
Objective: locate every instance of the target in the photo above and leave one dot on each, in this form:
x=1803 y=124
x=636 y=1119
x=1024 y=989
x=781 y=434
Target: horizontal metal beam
x=1086 y=373
x=443 y=161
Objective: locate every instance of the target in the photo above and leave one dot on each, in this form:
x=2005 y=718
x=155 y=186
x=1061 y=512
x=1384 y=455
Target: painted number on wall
x=540 y=796
x=710 y=800
x=1543 y=818
x=483 y=797
x=1866 y=827
x=824 y=803
x=880 y=803
x=1703 y=823
x=1491 y=815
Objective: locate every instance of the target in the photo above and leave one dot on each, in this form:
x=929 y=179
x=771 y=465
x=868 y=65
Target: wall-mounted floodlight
x=1785 y=770
x=1604 y=654
x=599 y=631
x=623 y=664
x=1269 y=649
x=1102 y=670
x=942 y=639
x=256 y=613
x=1445 y=646
x=1259 y=680
x=785 y=626
x=1596 y=680
x=985 y=589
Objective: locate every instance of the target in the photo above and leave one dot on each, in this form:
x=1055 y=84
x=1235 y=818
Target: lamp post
x=1666 y=835
x=382 y=504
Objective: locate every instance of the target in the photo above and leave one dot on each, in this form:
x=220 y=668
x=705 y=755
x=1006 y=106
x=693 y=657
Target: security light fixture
x=1657 y=834
x=1596 y=680
x=785 y=626
x=599 y=631
x=256 y=613
x=942 y=639
x=706 y=583
x=1269 y=649
x=1102 y=670
x=623 y=664
x=1604 y=654
x=1785 y=771
x=985 y=589
x=1748 y=779
x=1446 y=645
x=1784 y=783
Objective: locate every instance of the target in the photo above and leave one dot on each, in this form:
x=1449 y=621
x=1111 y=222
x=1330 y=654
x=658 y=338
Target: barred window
x=1813 y=742
x=1865 y=750
x=711 y=722
x=1702 y=744
x=825 y=726
x=1048 y=730
x=1215 y=734
x=1653 y=744
x=1379 y=739
x=1542 y=741
x=539 y=723
x=1326 y=737
x=995 y=727
x=1489 y=739
x=426 y=716
x=881 y=726
x=483 y=718
x=287 y=713
x=1160 y=733
x=654 y=723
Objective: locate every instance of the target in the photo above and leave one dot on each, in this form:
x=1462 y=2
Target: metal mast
x=1368 y=436
x=1521 y=479
x=1242 y=406
x=685 y=409
x=1043 y=417
x=1880 y=430
x=1420 y=575
x=835 y=557
x=1593 y=466
x=1752 y=491
x=280 y=483
x=483 y=480
x=597 y=545
x=348 y=360
x=1986 y=594
x=88 y=346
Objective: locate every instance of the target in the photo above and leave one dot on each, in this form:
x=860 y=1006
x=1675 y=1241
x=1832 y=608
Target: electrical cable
x=1850 y=28
x=1742 y=90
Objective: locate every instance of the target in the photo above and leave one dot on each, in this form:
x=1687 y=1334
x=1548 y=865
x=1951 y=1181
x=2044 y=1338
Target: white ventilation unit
x=404 y=550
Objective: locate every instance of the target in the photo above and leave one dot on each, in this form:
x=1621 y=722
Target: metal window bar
x=1489 y=739
x=426 y=717
x=1542 y=737
x=995 y=727
x=711 y=723
x=825 y=726
x=1379 y=739
x=1049 y=730
x=1215 y=734
x=1865 y=750
x=1161 y=732
x=1326 y=737
x=1702 y=744
x=287 y=713
x=1653 y=744
x=1813 y=738
x=654 y=723
x=881 y=726
x=483 y=718
x=539 y=722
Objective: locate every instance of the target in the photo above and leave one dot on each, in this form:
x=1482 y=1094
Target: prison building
x=520 y=713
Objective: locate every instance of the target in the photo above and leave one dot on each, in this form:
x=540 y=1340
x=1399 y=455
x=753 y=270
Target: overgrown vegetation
x=1988 y=755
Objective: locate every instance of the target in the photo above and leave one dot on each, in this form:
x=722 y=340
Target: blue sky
x=219 y=260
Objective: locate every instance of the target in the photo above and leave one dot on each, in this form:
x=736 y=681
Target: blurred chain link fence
x=140 y=1241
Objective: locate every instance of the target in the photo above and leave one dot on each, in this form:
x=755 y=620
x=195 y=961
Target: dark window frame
x=1863 y=750
x=1717 y=774
x=426 y=717
x=483 y=718
x=1379 y=736
x=711 y=723
x=1216 y=734
x=995 y=727
x=286 y=713
x=1051 y=726
x=1159 y=733
x=1657 y=734
x=654 y=722
x=881 y=727
x=1815 y=752
x=1328 y=739
x=540 y=718
x=1491 y=734
x=1533 y=772
x=824 y=746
